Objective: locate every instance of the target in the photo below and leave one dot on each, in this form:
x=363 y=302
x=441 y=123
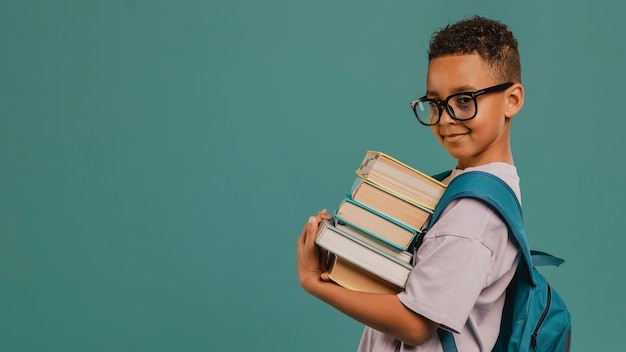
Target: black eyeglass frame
x=444 y=103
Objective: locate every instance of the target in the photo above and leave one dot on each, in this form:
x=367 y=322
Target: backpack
x=535 y=317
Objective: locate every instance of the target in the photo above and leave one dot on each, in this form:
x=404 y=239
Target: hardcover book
x=392 y=205
x=375 y=224
x=367 y=258
x=397 y=177
x=354 y=278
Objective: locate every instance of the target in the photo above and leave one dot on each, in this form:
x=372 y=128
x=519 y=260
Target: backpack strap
x=543 y=259
x=442 y=175
x=447 y=340
x=494 y=192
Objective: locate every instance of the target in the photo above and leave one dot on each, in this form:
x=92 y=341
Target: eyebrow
x=460 y=89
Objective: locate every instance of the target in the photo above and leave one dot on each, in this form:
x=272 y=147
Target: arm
x=382 y=312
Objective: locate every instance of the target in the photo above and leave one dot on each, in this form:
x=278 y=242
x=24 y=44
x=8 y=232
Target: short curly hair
x=490 y=39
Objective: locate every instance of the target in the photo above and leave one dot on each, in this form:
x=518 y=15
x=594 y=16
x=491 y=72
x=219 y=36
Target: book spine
x=356 y=186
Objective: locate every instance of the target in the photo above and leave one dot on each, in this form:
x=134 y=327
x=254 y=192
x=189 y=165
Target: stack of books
x=376 y=223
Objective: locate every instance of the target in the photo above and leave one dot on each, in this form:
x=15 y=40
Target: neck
x=501 y=154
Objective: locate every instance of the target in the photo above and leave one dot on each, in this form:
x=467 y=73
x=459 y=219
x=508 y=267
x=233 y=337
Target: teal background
x=159 y=158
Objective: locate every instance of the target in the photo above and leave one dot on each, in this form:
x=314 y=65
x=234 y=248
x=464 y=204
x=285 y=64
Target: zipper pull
x=533 y=341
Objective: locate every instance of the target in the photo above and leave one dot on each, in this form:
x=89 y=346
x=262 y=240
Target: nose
x=445 y=117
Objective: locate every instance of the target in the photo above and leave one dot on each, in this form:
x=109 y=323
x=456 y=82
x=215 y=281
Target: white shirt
x=460 y=274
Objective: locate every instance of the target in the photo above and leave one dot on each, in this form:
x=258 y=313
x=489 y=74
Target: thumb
x=325 y=276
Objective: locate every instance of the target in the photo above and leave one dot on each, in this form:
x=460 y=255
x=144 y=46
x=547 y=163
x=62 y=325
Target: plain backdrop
x=159 y=159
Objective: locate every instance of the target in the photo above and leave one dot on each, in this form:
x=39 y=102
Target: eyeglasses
x=460 y=106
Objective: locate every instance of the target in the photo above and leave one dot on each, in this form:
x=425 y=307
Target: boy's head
x=473 y=90
x=490 y=39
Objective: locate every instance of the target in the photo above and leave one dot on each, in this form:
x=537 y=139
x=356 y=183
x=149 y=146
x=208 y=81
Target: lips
x=453 y=137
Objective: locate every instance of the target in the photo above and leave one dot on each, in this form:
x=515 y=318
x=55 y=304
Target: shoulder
x=472 y=219
x=504 y=171
x=467 y=218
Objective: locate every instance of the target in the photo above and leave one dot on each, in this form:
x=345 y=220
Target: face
x=485 y=138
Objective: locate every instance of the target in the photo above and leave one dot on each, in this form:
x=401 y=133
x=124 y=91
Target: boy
x=463 y=267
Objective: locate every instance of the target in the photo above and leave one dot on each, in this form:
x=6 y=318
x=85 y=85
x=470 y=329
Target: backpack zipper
x=533 y=338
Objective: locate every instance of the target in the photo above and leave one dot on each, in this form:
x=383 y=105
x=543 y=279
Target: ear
x=514 y=100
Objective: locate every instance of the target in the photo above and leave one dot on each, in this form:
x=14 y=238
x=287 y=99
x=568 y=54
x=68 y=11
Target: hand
x=310 y=258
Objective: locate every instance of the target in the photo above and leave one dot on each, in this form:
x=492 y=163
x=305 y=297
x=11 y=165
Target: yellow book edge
x=404 y=197
x=376 y=283
x=403 y=164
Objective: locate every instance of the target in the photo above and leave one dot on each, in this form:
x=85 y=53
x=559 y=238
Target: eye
x=462 y=103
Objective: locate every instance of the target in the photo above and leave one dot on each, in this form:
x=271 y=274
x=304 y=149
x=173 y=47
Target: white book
x=373 y=243
x=377 y=262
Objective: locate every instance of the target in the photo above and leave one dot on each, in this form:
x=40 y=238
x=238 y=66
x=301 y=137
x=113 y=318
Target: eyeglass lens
x=461 y=107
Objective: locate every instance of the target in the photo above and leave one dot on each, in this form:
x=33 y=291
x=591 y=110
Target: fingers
x=307 y=237
x=322 y=215
x=324 y=276
x=302 y=237
x=310 y=230
x=311 y=259
x=323 y=255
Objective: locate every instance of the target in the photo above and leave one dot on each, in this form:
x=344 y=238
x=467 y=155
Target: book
x=391 y=204
x=375 y=224
x=370 y=241
x=354 y=278
x=399 y=178
x=366 y=257
x=369 y=237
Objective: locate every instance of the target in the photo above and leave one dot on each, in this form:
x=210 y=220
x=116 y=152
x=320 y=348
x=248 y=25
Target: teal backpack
x=535 y=318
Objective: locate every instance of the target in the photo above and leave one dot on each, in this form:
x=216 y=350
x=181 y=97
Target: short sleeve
x=453 y=264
